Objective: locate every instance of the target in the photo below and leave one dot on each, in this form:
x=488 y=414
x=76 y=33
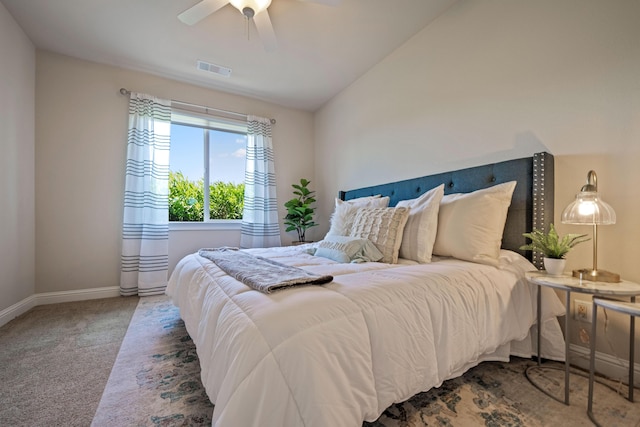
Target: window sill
x=222 y=224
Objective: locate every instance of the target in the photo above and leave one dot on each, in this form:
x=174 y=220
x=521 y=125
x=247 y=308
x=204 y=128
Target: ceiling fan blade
x=265 y=30
x=327 y=2
x=201 y=10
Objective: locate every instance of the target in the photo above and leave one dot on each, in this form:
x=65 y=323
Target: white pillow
x=384 y=227
x=342 y=217
x=348 y=249
x=422 y=225
x=470 y=225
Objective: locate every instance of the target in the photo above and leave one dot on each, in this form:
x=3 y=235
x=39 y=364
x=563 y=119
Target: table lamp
x=589 y=209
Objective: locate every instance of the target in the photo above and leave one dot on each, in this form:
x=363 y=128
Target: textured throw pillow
x=348 y=249
x=384 y=227
x=470 y=225
x=422 y=225
x=345 y=210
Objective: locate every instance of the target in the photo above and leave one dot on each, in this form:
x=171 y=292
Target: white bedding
x=341 y=353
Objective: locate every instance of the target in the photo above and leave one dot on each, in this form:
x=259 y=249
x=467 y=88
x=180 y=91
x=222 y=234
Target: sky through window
x=227 y=155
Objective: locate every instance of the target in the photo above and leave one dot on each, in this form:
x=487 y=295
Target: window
x=206 y=149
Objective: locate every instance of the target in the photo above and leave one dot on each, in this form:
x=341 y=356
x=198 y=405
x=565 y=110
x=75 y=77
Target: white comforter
x=341 y=353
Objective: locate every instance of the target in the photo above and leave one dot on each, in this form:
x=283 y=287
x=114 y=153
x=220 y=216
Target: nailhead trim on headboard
x=543 y=193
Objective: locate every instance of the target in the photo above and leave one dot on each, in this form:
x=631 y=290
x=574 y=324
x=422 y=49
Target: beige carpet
x=55 y=361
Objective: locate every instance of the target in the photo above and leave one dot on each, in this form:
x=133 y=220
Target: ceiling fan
x=251 y=9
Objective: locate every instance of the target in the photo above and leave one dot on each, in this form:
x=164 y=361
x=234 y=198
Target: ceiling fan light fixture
x=246 y=6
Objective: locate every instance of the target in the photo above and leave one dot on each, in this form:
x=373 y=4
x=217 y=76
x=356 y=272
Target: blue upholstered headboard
x=531 y=204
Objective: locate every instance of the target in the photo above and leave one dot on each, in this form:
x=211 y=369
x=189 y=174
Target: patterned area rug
x=156 y=378
x=498 y=394
x=156 y=382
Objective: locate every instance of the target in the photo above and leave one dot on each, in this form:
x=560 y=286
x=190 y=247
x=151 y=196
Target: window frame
x=207 y=122
x=213 y=224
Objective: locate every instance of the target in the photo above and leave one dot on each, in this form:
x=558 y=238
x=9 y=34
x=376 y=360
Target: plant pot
x=554 y=266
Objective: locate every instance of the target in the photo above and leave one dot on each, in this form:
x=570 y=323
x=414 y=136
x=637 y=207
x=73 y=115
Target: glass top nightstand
x=568 y=283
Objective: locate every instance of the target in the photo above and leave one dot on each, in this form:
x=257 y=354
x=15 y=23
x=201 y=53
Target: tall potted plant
x=299 y=211
x=553 y=247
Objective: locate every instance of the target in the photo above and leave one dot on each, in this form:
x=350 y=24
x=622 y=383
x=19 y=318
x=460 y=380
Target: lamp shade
x=588 y=208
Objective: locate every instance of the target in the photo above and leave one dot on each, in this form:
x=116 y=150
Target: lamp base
x=597 y=275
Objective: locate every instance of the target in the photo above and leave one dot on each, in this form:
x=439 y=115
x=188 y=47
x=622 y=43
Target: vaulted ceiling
x=321 y=48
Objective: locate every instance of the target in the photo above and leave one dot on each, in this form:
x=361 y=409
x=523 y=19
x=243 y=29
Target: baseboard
x=80 y=295
x=606 y=364
x=17 y=309
x=27 y=304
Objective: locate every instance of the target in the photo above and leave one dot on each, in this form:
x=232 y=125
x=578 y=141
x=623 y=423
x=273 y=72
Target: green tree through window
x=186 y=199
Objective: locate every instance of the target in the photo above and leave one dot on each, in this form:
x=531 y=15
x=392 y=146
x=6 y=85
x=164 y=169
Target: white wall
x=81 y=133
x=17 y=119
x=493 y=80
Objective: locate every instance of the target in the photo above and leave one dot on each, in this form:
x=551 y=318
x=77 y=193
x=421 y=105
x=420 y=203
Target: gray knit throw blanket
x=260 y=273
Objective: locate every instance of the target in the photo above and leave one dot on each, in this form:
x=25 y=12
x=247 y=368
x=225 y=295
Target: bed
x=340 y=353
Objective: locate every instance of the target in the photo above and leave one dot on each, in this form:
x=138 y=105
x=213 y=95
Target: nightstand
x=567 y=283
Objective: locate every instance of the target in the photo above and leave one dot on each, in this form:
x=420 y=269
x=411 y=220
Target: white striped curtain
x=260 y=222
x=145 y=230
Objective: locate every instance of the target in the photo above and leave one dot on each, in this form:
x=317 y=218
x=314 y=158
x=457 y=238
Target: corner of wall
x=17 y=163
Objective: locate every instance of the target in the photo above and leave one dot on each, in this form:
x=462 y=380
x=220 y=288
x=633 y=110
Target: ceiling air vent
x=213 y=68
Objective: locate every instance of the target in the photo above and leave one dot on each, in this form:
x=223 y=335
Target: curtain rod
x=124 y=91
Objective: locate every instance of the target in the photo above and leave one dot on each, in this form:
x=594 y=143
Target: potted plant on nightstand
x=553 y=247
x=299 y=211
